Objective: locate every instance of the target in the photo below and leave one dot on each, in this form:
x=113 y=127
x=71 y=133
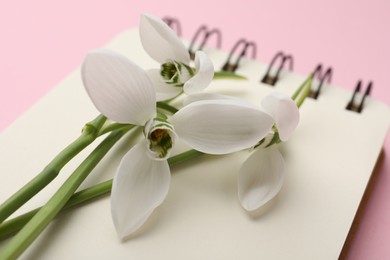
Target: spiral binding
x=173 y=23
x=271 y=80
x=317 y=73
x=352 y=105
x=206 y=35
x=232 y=67
x=322 y=77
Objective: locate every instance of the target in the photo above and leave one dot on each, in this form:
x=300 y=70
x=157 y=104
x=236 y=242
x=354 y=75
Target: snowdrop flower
x=175 y=75
x=261 y=176
x=124 y=93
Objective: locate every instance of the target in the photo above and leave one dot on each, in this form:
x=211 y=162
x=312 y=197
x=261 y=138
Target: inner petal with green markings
x=160 y=137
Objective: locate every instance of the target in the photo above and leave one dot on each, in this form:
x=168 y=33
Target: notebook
x=329 y=161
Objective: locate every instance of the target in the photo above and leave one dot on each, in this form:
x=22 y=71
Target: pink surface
x=42 y=41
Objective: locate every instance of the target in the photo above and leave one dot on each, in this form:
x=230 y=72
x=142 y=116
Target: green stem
x=43 y=217
x=303 y=91
x=182 y=157
x=167 y=107
x=10 y=227
x=299 y=89
x=89 y=134
x=112 y=127
x=228 y=75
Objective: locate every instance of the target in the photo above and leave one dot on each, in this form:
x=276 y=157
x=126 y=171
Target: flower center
x=176 y=73
x=160 y=142
x=160 y=137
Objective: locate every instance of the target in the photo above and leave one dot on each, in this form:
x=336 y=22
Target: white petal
x=221 y=126
x=204 y=74
x=139 y=186
x=160 y=42
x=119 y=89
x=260 y=178
x=284 y=111
x=163 y=91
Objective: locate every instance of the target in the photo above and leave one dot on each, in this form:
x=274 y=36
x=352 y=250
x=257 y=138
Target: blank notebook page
x=329 y=160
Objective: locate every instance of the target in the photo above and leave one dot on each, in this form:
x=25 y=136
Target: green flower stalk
x=89 y=134
x=228 y=75
x=303 y=91
x=43 y=217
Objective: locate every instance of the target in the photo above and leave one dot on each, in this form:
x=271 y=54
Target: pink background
x=42 y=41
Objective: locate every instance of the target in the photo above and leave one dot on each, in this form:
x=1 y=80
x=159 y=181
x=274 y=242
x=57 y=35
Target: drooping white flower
x=176 y=74
x=262 y=174
x=284 y=111
x=124 y=93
